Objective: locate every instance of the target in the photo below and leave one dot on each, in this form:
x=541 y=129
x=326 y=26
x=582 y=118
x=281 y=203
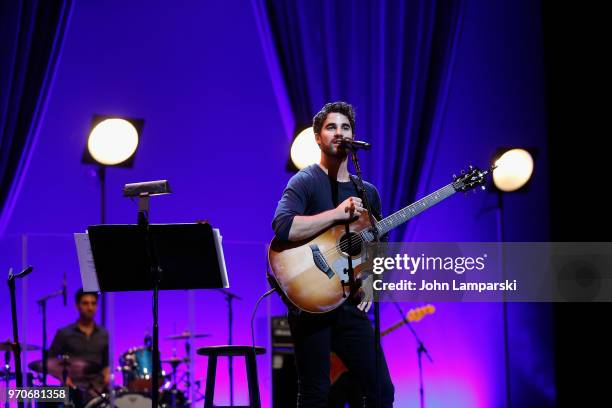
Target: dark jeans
x=348 y=332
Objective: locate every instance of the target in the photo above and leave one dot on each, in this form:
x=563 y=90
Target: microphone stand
x=421 y=349
x=7 y=372
x=156 y=275
x=229 y=296
x=42 y=302
x=16 y=345
x=374 y=230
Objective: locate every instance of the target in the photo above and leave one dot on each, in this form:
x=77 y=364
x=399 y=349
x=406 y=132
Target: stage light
x=515 y=168
x=112 y=141
x=305 y=150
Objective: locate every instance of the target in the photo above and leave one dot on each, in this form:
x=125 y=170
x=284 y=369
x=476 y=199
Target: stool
x=248 y=352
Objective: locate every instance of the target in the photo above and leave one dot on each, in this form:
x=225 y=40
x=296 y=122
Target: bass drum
x=123 y=399
x=131 y=399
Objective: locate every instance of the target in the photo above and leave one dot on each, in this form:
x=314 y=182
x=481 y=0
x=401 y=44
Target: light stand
x=102 y=179
x=515 y=170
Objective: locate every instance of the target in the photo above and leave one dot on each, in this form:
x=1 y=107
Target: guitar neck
x=398 y=218
x=392 y=328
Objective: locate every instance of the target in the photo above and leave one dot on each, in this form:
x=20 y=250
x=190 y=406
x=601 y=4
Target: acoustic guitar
x=310 y=273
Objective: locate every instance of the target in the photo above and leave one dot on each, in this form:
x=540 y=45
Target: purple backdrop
x=197 y=74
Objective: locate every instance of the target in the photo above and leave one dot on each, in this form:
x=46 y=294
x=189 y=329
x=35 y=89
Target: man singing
x=316 y=198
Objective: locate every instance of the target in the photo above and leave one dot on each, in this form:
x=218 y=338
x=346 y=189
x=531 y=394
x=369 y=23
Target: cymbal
x=76 y=367
x=8 y=346
x=186 y=335
x=176 y=360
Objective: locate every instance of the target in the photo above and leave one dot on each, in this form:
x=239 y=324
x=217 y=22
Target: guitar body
x=310 y=272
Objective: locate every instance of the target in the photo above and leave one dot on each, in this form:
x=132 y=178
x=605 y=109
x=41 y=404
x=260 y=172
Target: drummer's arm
x=106 y=373
x=106 y=364
x=56 y=349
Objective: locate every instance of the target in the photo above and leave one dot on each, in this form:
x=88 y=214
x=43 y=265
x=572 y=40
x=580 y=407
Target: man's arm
x=57 y=345
x=306 y=226
x=106 y=373
x=105 y=363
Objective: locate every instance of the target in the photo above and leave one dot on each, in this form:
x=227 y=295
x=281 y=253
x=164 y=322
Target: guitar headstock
x=471 y=179
x=414 y=315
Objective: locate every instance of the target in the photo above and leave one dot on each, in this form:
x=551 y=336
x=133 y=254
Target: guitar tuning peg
x=483 y=187
x=454 y=177
x=471 y=167
x=462 y=171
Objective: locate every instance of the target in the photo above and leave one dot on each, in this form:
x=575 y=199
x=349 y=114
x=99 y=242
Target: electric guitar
x=337 y=367
x=310 y=273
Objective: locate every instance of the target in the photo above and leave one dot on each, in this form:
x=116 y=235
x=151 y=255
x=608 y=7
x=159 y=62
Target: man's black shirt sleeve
x=293 y=202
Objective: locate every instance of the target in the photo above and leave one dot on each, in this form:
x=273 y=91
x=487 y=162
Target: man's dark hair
x=80 y=294
x=337 y=107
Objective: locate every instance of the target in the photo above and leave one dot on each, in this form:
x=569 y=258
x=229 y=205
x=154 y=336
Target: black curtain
x=391 y=59
x=31 y=37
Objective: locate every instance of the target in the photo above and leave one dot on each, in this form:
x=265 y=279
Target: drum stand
x=42 y=303
x=173 y=389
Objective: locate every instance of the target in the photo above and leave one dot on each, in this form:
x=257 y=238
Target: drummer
x=87 y=340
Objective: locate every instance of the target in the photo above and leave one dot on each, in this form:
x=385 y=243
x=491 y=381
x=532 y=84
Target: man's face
x=335 y=127
x=87 y=306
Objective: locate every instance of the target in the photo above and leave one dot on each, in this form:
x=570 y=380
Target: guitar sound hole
x=355 y=244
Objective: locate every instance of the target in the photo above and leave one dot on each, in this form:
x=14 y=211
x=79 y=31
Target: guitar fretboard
x=397 y=218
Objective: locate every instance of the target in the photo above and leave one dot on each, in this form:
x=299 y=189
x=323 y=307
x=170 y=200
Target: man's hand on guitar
x=365 y=305
x=349 y=208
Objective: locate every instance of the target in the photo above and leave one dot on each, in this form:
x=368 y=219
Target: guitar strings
x=357 y=238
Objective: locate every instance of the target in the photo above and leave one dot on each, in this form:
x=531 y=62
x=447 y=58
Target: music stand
x=124 y=258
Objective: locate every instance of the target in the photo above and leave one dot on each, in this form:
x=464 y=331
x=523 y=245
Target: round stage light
x=514 y=170
x=305 y=150
x=112 y=141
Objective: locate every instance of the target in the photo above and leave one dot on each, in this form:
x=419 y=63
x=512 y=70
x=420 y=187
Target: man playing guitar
x=309 y=205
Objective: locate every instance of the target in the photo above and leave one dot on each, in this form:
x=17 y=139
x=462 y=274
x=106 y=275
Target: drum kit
x=135 y=366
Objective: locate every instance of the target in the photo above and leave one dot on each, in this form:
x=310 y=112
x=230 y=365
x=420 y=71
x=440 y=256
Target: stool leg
x=251 y=361
x=211 y=372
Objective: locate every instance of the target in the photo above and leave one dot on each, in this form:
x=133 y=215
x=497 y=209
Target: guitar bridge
x=320 y=261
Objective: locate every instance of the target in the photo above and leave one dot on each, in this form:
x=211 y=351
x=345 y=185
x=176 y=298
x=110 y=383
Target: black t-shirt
x=72 y=341
x=309 y=192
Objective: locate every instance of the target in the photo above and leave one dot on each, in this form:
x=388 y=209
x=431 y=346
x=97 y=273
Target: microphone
x=355 y=144
x=64 y=290
x=24 y=273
